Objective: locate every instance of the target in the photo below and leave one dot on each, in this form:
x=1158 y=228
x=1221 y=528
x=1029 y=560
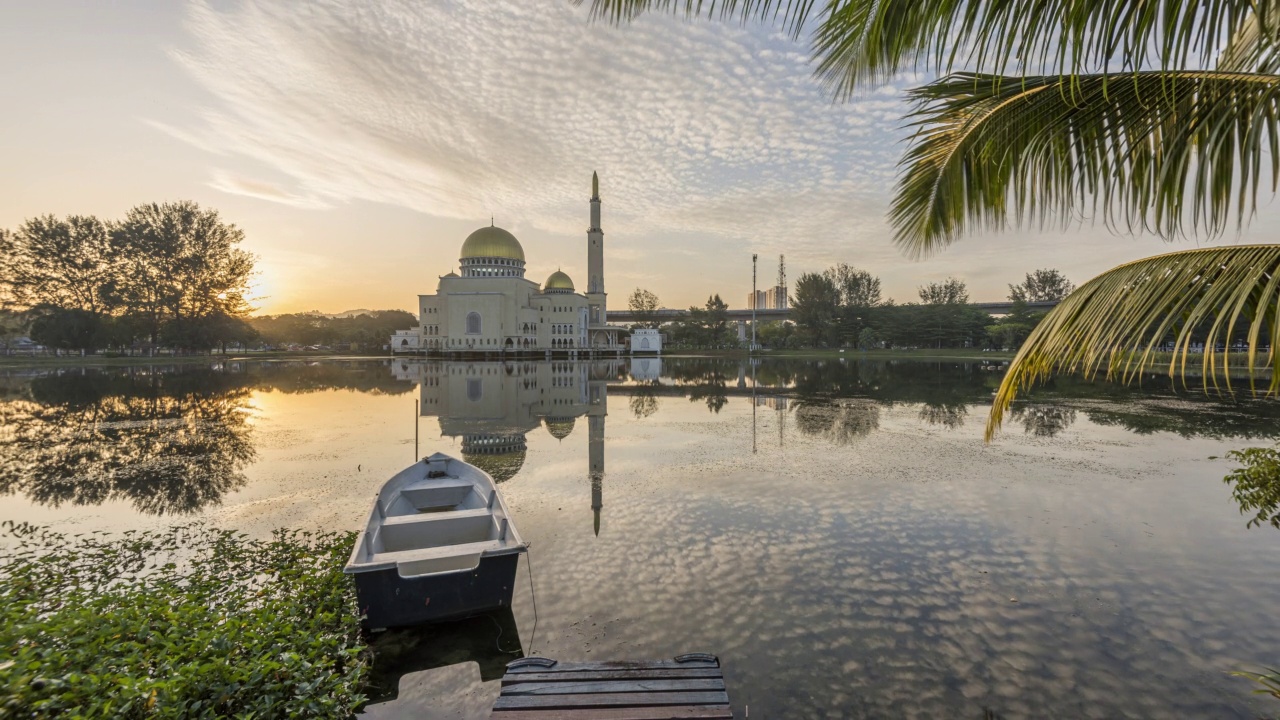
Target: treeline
x=843 y=307
x=364 y=332
x=166 y=275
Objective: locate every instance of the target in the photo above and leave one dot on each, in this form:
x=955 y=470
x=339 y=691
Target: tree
x=1042 y=286
x=643 y=304
x=948 y=292
x=68 y=328
x=816 y=306
x=182 y=265
x=858 y=288
x=1153 y=117
x=717 y=320
x=57 y=263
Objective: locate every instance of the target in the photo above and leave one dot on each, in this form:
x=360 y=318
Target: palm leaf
x=1114 y=324
x=1158 y=151
x=855 y=41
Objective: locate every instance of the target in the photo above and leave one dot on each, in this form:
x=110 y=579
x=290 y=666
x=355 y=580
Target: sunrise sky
x=357 y=144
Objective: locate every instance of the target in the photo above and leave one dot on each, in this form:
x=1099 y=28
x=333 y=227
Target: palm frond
x=1166 y=152
x=855 y=41
x=1114 y=324
x=1255 y=45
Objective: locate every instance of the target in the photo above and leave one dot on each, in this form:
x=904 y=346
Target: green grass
x=187 y=622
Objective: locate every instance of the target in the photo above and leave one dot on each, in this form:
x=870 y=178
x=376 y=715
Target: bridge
x=666 y=315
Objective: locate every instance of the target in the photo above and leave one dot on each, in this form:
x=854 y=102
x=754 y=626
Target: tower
x=595 y=261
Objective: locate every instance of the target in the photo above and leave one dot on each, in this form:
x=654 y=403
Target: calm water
x=836 y=532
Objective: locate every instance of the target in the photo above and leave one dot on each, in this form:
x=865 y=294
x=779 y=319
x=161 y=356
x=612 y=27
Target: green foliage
x=704 y=327
x=1043 y=285
x=858 y=288
x=951 y=291
x=1256 y=484
x=173 y=270
x=188 y=622
x=816 y=307
x=1269 y=679
x=1116 y=323
x=643 y=303
x=367 y=331
x=69 y=328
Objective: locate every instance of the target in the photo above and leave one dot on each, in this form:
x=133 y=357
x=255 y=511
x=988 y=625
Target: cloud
x=263 y=190
x=459 y=109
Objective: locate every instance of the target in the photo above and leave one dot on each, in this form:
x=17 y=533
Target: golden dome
x=558 y=281
x=492 y=242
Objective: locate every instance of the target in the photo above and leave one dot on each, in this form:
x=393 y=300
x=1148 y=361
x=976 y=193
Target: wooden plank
x=700 y=712
x=611 y=686
x=619 y=665
x=632 y=674
x=565 y=702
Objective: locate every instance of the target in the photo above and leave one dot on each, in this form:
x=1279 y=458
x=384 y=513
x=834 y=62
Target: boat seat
x=414 y=519
x=432 y=494
x=439 y=552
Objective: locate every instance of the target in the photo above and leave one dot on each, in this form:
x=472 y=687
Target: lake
x=835 y=531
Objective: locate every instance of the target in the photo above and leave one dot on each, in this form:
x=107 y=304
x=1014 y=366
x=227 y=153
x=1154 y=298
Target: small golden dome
x=558 y=281
x=492 y=242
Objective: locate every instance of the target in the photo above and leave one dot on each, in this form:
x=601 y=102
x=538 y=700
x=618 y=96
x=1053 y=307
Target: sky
x=357 y=144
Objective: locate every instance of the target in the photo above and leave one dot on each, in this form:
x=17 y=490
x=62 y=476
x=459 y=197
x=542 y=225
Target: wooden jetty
x=688 y=686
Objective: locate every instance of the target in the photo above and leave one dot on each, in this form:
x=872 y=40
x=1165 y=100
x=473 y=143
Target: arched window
x=473 y=323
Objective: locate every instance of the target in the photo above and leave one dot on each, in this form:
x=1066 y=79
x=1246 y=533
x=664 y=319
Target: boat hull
x=388 y=600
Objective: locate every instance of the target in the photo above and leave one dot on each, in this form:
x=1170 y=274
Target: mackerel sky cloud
x=358 y=143
x=463 y=109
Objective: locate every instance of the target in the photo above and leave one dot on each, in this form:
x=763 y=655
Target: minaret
x=595 y=261
x=596 y=411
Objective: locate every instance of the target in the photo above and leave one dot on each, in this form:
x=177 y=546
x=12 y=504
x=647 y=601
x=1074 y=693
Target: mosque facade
x=488 y=307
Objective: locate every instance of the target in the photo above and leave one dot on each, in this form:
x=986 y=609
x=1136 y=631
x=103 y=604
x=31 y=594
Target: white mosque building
x=489 y=307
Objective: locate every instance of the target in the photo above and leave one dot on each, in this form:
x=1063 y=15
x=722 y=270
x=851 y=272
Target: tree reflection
x=643 y=400
x=156 y=441
x=1043 y=420
x=840 y=421
x=948 y=415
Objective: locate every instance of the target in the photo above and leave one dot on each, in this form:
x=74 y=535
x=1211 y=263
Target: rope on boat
x=528 y=563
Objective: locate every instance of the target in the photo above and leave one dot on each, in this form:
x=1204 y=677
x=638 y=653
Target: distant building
x=646 y=340
x=489 y=306
x=775 y=298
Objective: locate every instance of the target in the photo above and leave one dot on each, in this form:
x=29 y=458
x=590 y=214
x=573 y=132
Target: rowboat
x=439 y=545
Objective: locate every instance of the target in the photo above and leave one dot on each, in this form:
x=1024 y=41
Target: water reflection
x=492 y=406
x=490 y=641
x=167 y=440
x=167 y=444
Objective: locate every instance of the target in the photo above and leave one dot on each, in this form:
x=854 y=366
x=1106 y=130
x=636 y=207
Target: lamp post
x=754 y=301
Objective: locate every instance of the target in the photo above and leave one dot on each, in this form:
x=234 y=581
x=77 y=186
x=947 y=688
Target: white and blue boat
x=439 y=545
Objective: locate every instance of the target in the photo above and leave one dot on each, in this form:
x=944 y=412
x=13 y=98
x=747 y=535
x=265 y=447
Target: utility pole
x=754 y=301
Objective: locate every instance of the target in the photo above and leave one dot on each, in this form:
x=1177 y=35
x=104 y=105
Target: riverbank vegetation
x=186 y=622
x=168 y=274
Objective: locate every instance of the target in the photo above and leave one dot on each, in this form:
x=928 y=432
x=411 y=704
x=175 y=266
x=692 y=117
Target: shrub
x=186 y=622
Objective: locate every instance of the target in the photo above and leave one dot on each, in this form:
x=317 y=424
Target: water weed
x=185 y=622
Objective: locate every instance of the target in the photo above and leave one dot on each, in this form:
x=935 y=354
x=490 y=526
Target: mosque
x=490 y=308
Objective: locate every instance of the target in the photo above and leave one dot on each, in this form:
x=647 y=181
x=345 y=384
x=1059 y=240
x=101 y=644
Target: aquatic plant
x=185 y=622
x=1269 y=679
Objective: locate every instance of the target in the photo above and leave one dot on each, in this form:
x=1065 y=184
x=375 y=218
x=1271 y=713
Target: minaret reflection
x=492 y=406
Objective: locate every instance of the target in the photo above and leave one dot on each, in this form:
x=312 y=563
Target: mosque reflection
x=493 y=406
